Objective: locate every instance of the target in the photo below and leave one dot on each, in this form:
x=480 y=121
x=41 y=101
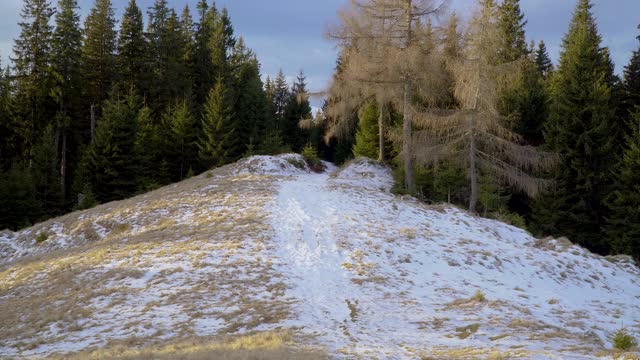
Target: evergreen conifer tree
x=181 y=123
x=367 y=134
x=511 y=24
x=543 y=61
x=216 y=142
x=579 y=129
x=298 y=108
x=624 y=202
x=33 y=71
x=133 y=51
x=111 y=166
x=99 y=52
x=67 y=50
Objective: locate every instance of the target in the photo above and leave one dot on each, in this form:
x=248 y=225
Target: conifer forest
x=466 y=110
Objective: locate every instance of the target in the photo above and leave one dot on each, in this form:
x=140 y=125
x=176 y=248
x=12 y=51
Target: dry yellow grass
x=263 y=346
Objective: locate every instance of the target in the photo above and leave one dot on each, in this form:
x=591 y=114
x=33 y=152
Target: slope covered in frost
x=334 y=259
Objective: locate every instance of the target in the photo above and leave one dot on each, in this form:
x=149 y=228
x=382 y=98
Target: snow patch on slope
x=376 y=274
x=366 y=173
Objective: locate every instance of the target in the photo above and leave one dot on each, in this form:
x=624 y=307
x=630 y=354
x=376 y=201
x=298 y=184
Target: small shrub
x=310 y=155
x=209 y=175
x=479 y=296
x=296 y=163
x=42 y=237
x=623 y=341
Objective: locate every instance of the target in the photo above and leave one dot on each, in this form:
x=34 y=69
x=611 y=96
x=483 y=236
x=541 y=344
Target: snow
x=333 y=255
x=373 y=273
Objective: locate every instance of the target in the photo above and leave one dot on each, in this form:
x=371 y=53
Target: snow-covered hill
x=332 y=260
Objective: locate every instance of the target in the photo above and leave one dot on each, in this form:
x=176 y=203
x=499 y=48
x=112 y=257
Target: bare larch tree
x=476 y=135
x=386 y=57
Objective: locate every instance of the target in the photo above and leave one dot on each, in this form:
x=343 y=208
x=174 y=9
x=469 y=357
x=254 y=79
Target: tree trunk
x=63 y=164
x=381 y=133
x=407 y=148
x=93 y=122
x=473 y=169
x=407 y=151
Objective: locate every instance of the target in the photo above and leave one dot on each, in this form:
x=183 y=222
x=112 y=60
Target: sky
x=289 y=34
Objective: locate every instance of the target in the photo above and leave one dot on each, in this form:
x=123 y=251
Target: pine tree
x=624 y=221
x=367 y=134
x=543 y=61
x=216 y=140
x=579 y=129
x=99 y=51
x=133 y=51
x=511 y=24
x=33 y=72
x=67 y=50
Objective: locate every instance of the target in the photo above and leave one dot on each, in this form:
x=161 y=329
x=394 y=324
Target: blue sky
x=289 y=34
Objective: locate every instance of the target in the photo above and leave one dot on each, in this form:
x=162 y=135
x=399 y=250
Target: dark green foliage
x=281 y=96
x=624 y=200
x=168 y=44
x=310 y=155
x=215 y=144
x=34 y=74
x=17 y=196
x=99 y=51
x=367 y=134
x=110 y=165
x=250 y=108
x=297 y=109
x=580 y=130
x=511 y=24
x=182 y=139
x=527 y=104
x=623 y=340
x=42 y=237
x=133 y=51
x=543 y=61
x=45 y=172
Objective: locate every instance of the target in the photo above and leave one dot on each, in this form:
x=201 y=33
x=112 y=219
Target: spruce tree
x=18 y=198
x=110 y=164
x=9 y=125
x=281 y=96
x=511 y=24
x=543 y=61
x=33 y=71
x=181 y=123
x=624 y=220
x=133 y=51
x=216 y=138
x=45 y=172
x=580 y=130
x=221 y=43
x=99 y=52
x=202 y=62
x=298 y=108
x=67 y=50
x=250 y=105
x=367 y=134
